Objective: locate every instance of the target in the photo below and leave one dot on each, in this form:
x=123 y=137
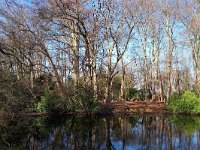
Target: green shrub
x=187 y=102
x=74 y=99
x=82 y=99
x=50 y=102
x=133 y=93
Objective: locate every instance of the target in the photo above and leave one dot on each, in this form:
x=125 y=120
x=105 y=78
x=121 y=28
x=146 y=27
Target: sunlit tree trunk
x=74 y=53
x=145 y=73
x=94 y=76
x=158 y=73
x=122 y=90
x=161 y=87
x=194 y=37
x=170 y=52
x=198 y=64
x=153 y=65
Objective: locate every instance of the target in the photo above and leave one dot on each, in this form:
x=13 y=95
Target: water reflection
x=138 y=132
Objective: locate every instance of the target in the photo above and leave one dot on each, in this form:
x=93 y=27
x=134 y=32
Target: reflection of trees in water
x=151 y=132
x=79 y=133
x=142 y=132
x=186 y=131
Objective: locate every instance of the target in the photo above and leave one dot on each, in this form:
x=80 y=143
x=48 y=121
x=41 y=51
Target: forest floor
x=126 y=107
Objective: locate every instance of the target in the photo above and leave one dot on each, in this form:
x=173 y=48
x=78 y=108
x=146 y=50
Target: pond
x=139 y=132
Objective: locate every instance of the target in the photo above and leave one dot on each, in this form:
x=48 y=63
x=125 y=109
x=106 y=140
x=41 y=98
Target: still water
x=116 y=133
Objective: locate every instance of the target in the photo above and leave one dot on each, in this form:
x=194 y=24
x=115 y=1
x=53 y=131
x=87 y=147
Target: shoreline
x=119 y=108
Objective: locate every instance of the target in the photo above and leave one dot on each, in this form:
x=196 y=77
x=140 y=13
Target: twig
x=6 y=142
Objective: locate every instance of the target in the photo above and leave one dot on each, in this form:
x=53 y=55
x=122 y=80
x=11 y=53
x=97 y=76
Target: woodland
x=75 y=55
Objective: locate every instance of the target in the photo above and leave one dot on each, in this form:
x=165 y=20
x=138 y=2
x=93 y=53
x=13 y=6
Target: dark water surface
x=136 y=132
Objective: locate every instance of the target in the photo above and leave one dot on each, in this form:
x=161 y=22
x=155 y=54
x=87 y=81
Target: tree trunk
x=177 y=84
x=76 y=66
x=158 y=74
x=108 y=90
x=153 y=67
x=161 y=88
x=74 y=53
x=145 y=67
x=31 y=77
x=168 y=80
x=169 y=56
x=109 y=75
x=122 y=95
x=55 y=71
x=198 y=70
x=94 y=76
